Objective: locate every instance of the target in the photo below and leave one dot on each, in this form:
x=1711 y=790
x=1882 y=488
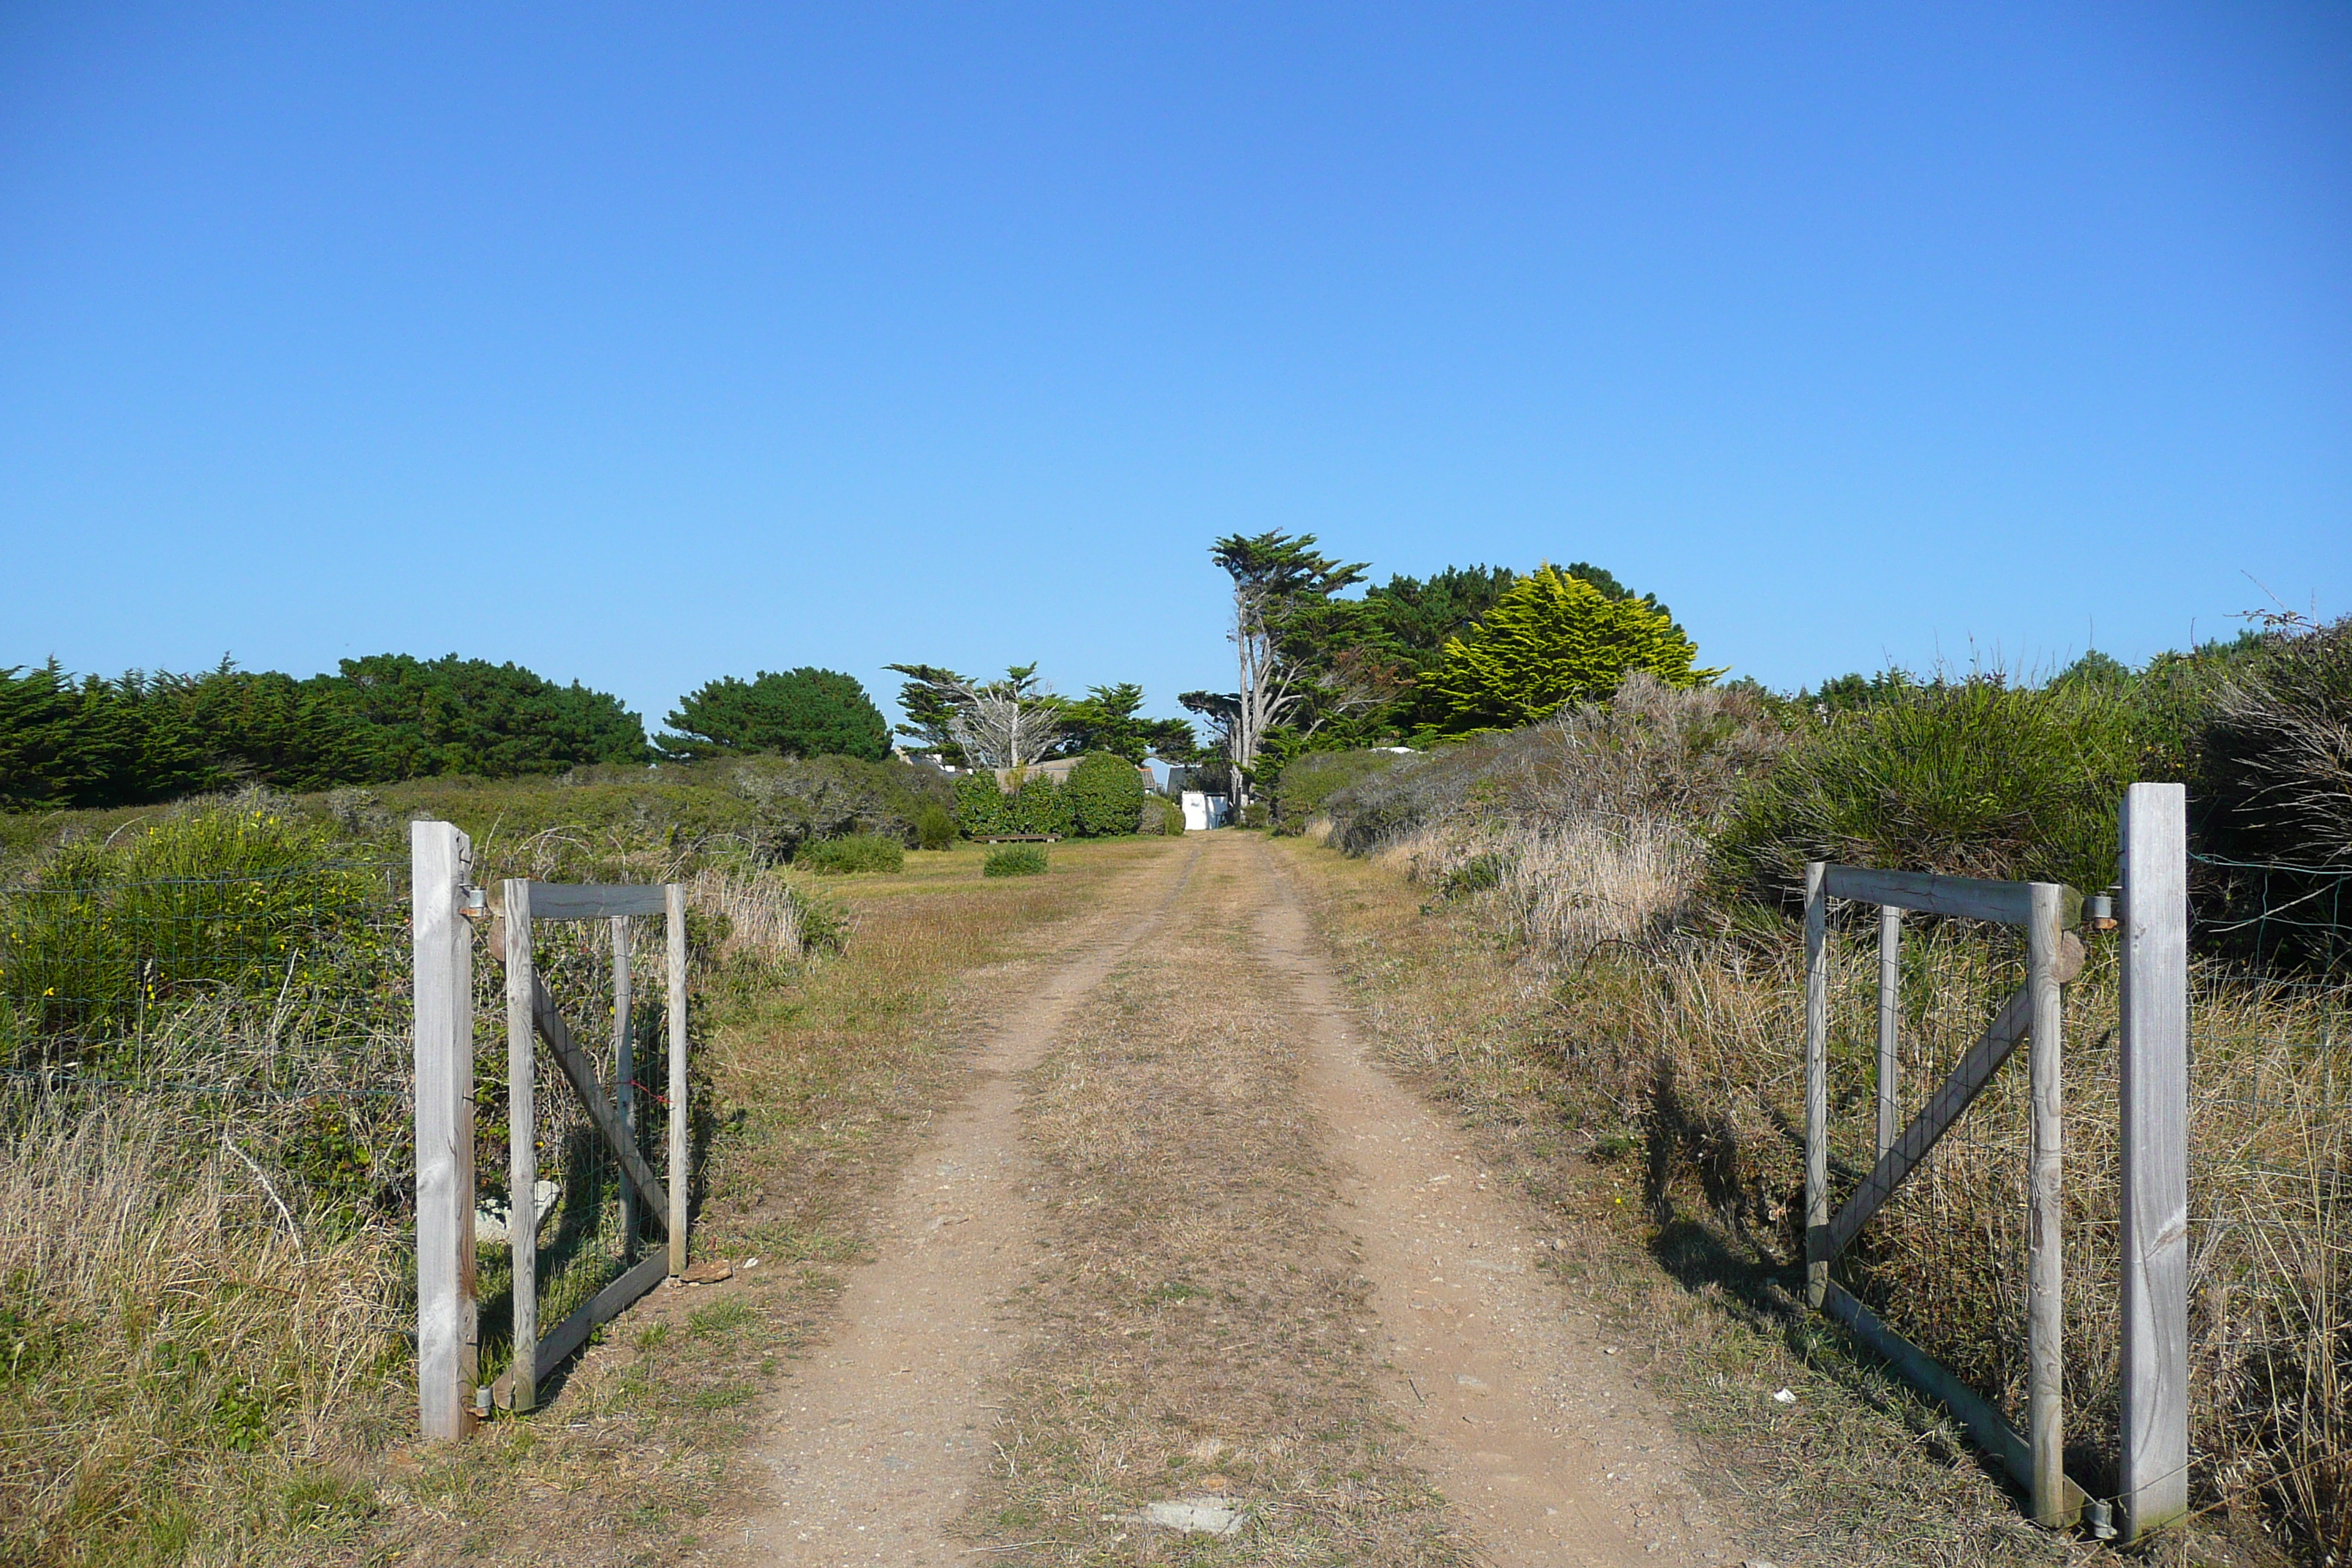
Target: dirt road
x=1188 y=1274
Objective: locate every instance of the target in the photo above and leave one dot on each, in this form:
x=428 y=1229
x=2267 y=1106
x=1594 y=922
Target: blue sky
x=643 y=345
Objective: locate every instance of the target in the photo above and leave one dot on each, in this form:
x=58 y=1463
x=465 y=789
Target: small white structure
x=1202 y=811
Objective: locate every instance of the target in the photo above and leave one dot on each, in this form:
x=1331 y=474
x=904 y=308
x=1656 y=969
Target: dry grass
x=1198 y=1322
x=182 y=1379
x=1566 y=887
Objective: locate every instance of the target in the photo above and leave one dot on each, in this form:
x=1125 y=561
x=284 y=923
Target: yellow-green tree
x=1552 y=639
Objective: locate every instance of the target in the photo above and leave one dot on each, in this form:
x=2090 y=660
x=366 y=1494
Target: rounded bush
x=1105 y=795
x=1016 y=860
x=934 y=828
x=857 y=852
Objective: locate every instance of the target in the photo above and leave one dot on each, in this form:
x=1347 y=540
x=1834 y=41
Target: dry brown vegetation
x=1199 y=1325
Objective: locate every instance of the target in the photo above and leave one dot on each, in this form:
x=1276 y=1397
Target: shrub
x=1105 y=795
x=857 y=852
x=981 y=808
x=934 y=827
x=1312 y=778
x=1973 y=778
x=1160 y=816
x=1016 y=860
x=1040 y=805
x=828 y=797
x=201 y=907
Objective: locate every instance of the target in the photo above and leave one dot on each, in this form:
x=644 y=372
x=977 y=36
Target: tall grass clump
x=763 y=917
x=1976 y=777
x=1015 y=861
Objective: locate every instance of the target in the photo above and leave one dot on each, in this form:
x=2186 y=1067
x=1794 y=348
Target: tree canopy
x=138 y=737
x=805 y=712
x=1552 y=639
x=452 y=715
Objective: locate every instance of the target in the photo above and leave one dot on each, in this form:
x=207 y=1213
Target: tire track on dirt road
x=1543 y=1445
x=874 y=1441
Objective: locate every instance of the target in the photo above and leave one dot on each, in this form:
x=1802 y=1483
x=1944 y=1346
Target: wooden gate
x=2153 y=1029
x=446 y=906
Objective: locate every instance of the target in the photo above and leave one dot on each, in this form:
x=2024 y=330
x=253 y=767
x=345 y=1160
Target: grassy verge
x=1856 y=1471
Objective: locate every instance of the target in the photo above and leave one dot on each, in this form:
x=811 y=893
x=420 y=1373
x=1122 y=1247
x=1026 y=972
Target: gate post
x=1817 y=1083
x=2045 y=1298
x=522 y=1133
x=2154 y=1073
x=440 y=860
x=682 y=1175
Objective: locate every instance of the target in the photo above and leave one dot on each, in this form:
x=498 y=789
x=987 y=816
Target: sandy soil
x=877 y=1439
x=1543 y=1445
x=1540 y=1441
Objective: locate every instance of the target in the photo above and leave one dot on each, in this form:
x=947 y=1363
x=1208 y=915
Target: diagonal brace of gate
x=1945 y=1107
x=581 y=1073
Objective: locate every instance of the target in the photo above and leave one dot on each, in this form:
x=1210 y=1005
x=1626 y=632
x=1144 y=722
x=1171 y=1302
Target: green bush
x=1313 y=777
x=985 y=810
x=982 y=809
x=244 y=903
x=1016 y=860
x=1160 y=816
x=1040 y=805
x=1105 y=795
x=934 y=827
x=857 y=852
x=1973 y=778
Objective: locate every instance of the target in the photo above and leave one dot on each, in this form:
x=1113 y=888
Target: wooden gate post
x=680 y=1177
x=1890 y=1024
x=1817 y=1083
x=624 y=1072
x=2155 y=1207
x=2045 y=1298
x=440 y=860
x=523 y=1135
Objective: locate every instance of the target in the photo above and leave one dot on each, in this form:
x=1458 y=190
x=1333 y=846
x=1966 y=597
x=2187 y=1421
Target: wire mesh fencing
x=605 y=980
